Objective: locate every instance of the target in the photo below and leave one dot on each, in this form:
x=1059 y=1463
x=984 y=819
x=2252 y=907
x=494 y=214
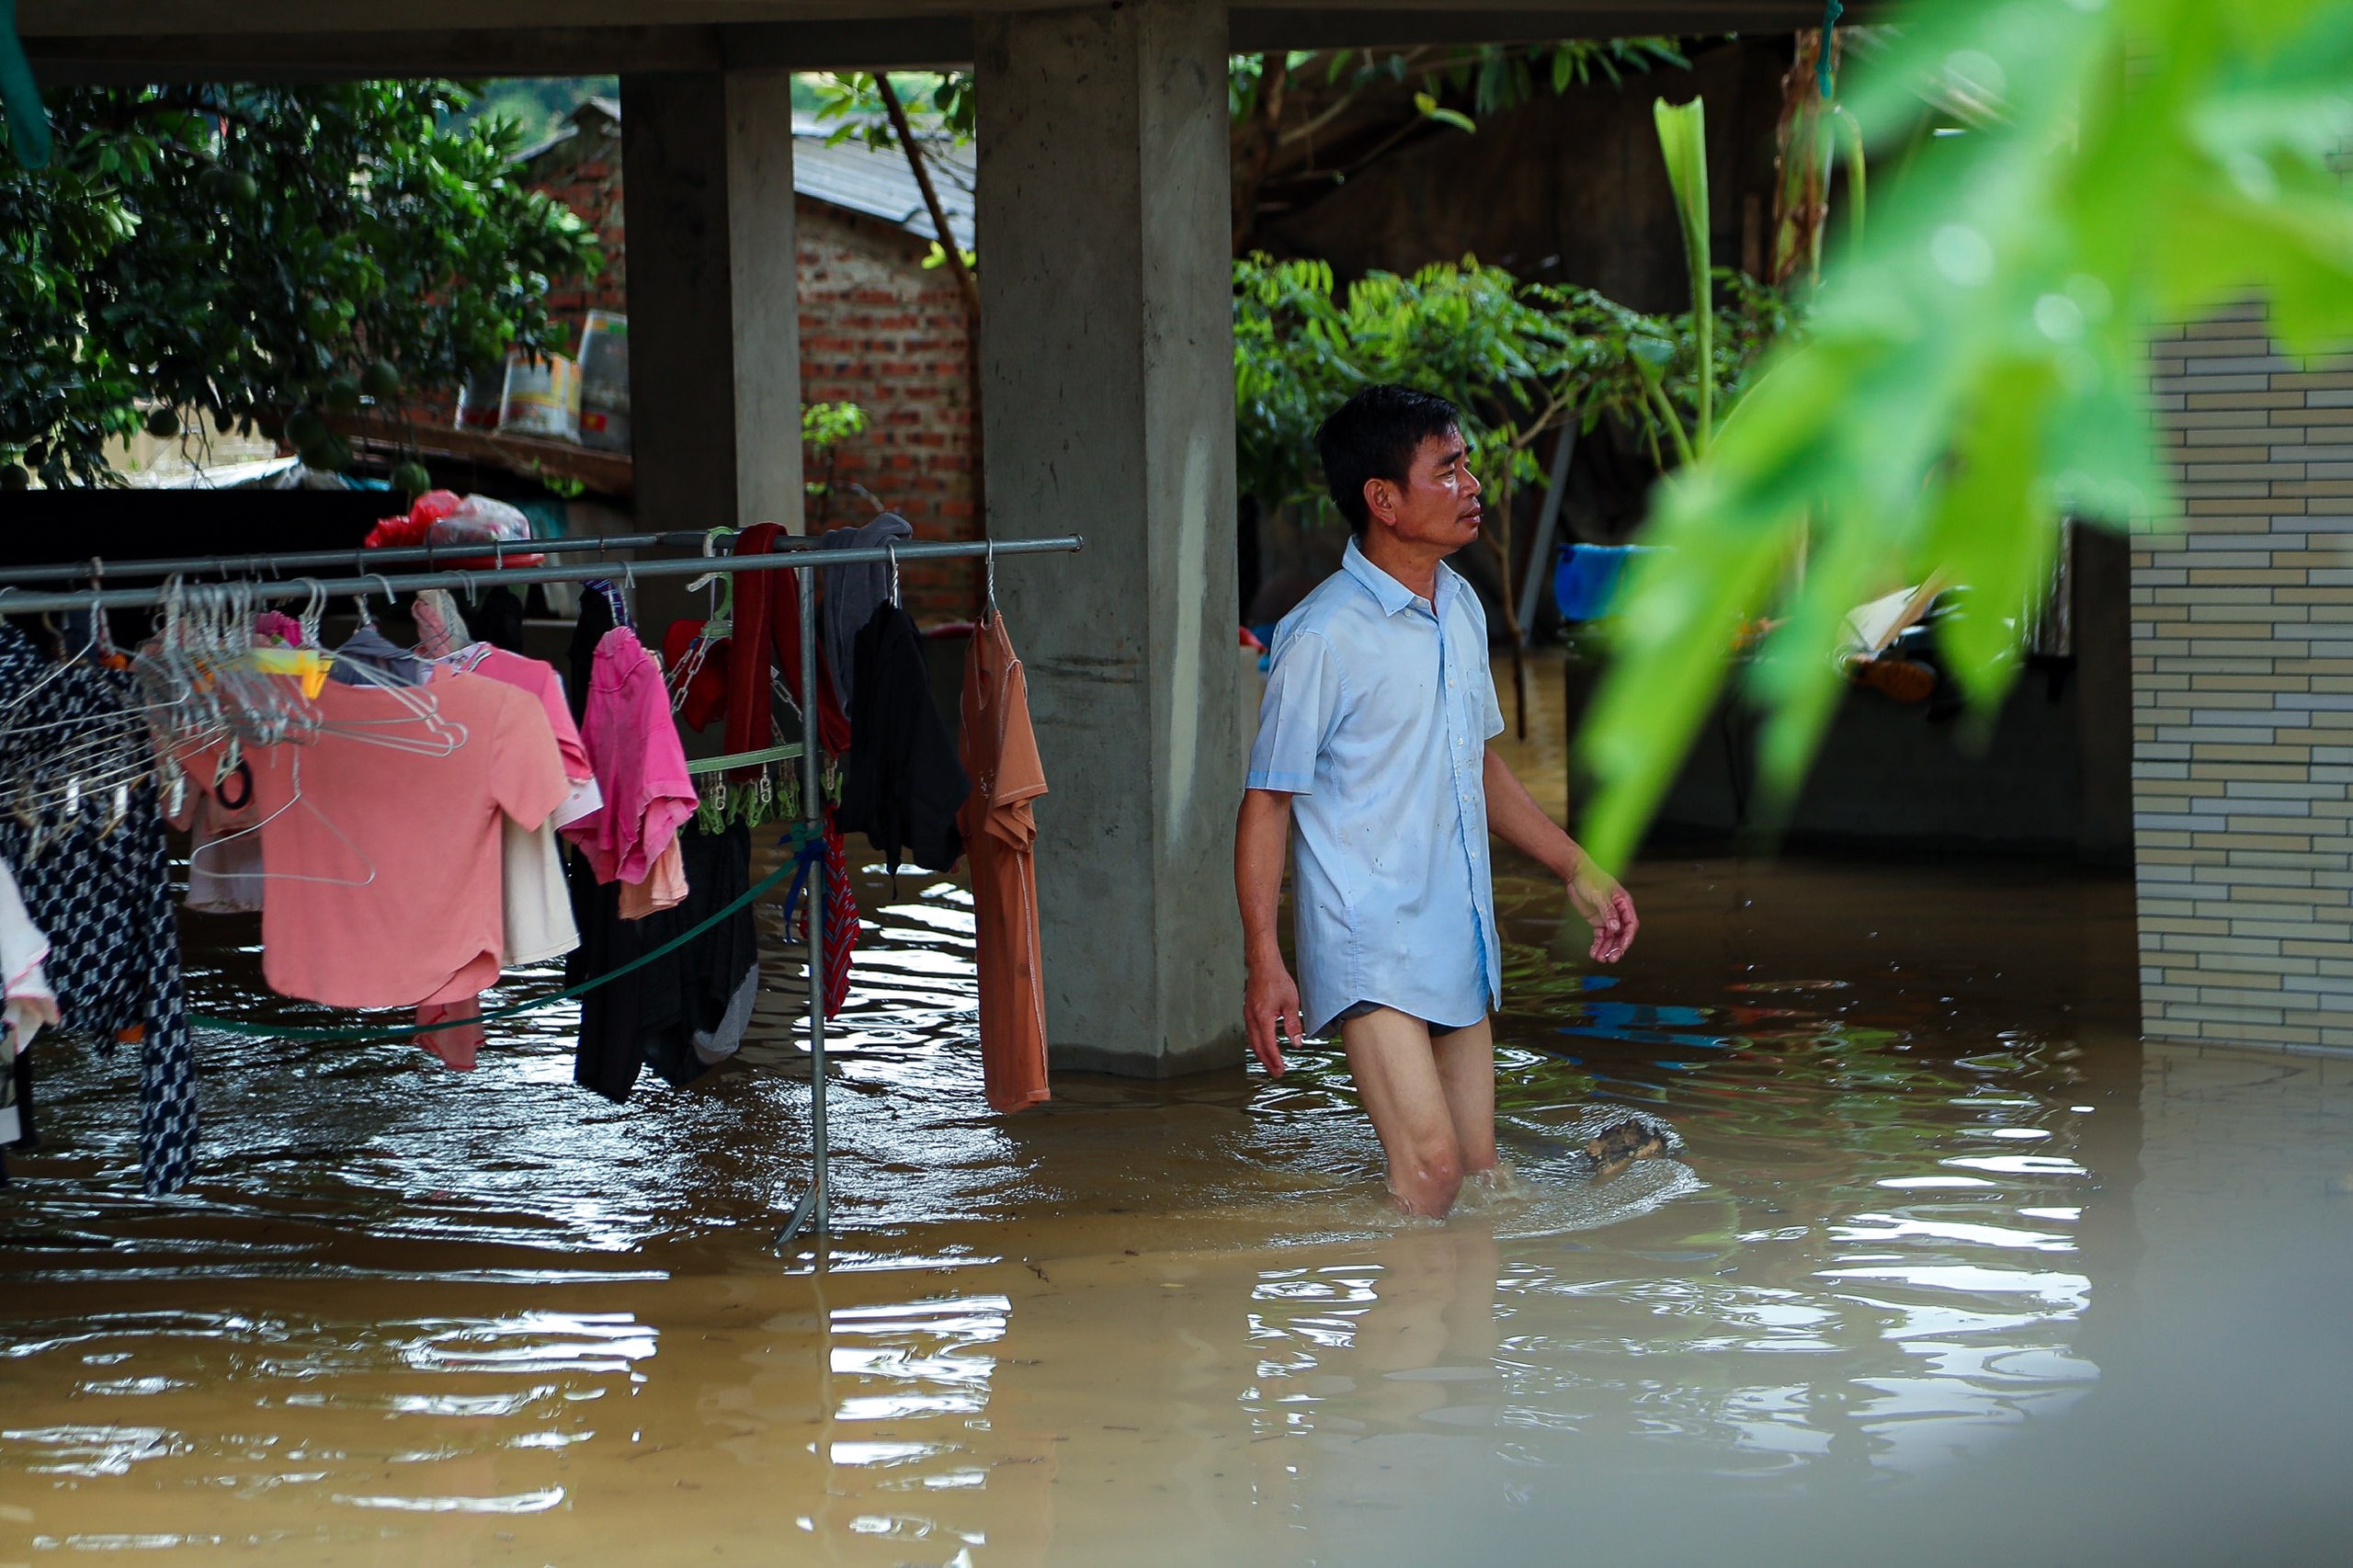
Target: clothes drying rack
x=96 y=570
x=813 y=1213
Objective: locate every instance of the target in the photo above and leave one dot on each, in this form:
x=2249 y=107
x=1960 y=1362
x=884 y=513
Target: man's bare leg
x=1466 y=1072
x=1397 y=1073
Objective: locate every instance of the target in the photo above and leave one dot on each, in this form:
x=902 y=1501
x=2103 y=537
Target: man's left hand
x=1607 y=908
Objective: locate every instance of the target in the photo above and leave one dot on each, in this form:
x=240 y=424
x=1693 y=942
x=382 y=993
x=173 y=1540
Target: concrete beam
x=88 y=60
x=714 y=303
x=1286 y=24
x=265 y=19
x=1106 y=356
x=292 y=41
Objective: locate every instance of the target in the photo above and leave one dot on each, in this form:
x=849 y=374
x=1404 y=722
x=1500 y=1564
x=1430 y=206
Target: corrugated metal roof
x=874 y=181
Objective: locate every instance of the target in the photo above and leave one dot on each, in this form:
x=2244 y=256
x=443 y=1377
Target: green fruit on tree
x=343 y=395
x=411 y=478
x=305 y=429
x=162 y=423
x=332 y=455
x=245 y=188
x=14 y=477
x=222 y=421
x=381 y=380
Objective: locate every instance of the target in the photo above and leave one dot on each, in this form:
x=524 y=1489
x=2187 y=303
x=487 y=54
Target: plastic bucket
x=541 y=397
x=604 y=381
x=1585 y=583
x=478 y=399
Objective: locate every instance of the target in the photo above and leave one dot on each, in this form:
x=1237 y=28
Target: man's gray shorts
x=1360 y=1009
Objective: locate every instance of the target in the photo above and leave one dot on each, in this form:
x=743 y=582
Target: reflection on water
x=412 y=1315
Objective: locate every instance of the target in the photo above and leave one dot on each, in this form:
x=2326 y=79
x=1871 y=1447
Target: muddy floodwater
x=1948 y=1267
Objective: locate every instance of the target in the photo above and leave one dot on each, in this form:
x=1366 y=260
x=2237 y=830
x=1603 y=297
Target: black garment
x=903 y=785
x=652 y=1015
x=596 y=619
x=497 y=619
x=19 y=1094
x=102 y=898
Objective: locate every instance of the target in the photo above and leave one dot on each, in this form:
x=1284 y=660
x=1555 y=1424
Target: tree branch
x=965 y=282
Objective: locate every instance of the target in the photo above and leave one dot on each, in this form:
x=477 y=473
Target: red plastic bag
x=441 y=518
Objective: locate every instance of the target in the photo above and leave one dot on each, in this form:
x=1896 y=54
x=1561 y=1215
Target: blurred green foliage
x=1519 y=358
x=539 y=105
x=1975 y=370
x=249 y=256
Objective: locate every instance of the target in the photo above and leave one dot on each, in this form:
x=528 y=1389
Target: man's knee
x=1428 y=1179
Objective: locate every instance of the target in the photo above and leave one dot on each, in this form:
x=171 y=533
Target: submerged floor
x=1949 y=1268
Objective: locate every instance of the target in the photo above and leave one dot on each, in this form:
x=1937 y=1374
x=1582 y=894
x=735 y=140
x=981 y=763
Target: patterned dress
x=101 y=892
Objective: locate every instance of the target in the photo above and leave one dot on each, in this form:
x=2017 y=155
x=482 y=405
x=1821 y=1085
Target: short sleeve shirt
x=386 y=862
x=1378 y=711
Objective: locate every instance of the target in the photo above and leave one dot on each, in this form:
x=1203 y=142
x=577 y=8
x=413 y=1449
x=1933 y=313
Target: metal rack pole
x=15 y=601
x=97 y=568
x=814 y=1210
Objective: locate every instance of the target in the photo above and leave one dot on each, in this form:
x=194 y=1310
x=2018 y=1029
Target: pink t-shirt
x=634 y=746
x=384 y=873
x=539 y=677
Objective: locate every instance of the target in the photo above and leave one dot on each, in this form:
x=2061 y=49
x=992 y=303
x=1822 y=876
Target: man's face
x=1438 y=503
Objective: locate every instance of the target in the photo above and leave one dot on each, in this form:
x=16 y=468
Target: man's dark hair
x=1374 y=435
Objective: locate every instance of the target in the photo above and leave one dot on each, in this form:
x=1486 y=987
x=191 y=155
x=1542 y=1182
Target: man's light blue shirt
x=1378 y=711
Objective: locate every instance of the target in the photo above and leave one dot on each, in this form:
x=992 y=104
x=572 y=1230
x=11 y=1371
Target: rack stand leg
x=814 y=1210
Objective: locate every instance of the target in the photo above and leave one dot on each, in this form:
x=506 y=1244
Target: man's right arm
x=1269 y=998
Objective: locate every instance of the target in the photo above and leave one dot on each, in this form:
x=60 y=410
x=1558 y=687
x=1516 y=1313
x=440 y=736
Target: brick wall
x=2243 y=699
x=585 y=174
x=876 y=329
x=879 y=330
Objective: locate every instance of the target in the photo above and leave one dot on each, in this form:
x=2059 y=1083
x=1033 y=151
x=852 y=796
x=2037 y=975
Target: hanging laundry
x=700 y=671
x=496 y=618
x=534 y=903
x=1000 y=751
x=385 y=860
x=901 y=785
x=540 y=680
x=841 y=928
x=224 y=869
x=440 y=629
x=687 y=1009
x=852 y=593
x=640 y=764
x=275 y=626
x=387 y=663
x=97 y=882
x=31 y=1006
x=664 y=886
x=596 y=619
x=768 y=638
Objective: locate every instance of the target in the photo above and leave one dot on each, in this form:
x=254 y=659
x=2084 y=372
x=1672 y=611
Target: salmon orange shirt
x=1000 y=752
x=385 y=867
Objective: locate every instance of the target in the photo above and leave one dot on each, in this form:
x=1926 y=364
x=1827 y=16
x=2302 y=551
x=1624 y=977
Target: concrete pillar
x=1107 y=359
x=713 y=304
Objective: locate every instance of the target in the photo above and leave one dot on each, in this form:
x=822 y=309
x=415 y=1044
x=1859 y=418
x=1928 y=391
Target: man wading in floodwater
x=1372 y=743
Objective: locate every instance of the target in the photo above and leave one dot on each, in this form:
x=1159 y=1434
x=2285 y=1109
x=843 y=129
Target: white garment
x=538 y=907
x=30 y=1004
x=585 y=796
x=224 y=869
